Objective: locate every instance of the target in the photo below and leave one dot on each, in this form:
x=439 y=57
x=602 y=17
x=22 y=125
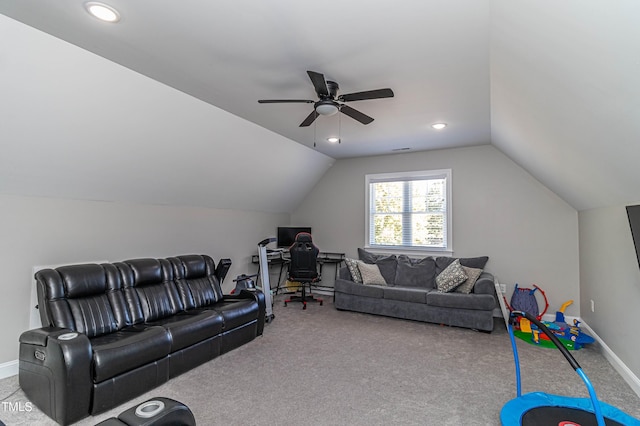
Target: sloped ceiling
x=565 y=96
x=75 y=125
x=554 y=85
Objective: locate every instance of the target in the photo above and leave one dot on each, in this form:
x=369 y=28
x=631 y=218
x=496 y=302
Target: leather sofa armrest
x=485 y=284
x=246 y=293
x=258 y=296
x=39 y=336
x=55 y=372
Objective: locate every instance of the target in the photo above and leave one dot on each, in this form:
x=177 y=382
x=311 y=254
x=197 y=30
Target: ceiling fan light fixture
x=326 y=107
x=439 y=126
x=102 y=11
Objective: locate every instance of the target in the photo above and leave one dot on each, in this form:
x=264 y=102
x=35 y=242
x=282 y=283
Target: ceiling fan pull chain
x=315 y=125
x=339 y=128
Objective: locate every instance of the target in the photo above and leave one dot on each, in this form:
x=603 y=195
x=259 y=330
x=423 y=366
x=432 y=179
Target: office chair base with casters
x=304 y=298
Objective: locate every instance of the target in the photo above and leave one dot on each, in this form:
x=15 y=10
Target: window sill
x=410 y=252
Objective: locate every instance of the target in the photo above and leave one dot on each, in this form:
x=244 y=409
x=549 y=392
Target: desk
x=281 y=258
x=332 y=259
x=275 y=257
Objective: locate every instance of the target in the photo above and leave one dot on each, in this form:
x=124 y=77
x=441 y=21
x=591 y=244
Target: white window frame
x=405 y=176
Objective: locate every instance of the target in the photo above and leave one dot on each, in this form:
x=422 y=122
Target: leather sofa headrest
x=83 y=280
x=145 y=271
x=194 y=266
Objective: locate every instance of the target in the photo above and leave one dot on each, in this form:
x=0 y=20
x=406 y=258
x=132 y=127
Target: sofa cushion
x=406 y=294
x=149 y=289
x=471 y=262
x=80 y=298
x=451 y=277
x=127 y=349
x=386 y=262
x=415 y=272
x=93 y=316
x=187 y=329
x=352 y=265
x=370 y=274
x=472 y=277
x=236 y=313
x=197 y=292
x=349 y=287
x=480 y=302
x=195 y=280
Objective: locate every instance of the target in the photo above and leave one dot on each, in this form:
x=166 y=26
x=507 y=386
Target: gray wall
x=499 y=210
x=137 y=147
x=42 y=231
x=610 y=276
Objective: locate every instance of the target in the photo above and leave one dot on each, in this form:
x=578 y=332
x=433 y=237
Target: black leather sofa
x=114 y=331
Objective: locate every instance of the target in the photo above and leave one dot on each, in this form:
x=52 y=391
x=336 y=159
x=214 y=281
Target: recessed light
x=102 y=11
x=439 y=126
x=333 y=139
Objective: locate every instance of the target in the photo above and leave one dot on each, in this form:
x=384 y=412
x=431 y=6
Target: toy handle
x=572 y=361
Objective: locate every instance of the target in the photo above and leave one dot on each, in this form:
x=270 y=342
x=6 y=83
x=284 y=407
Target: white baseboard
x=8 y=369
x=617 y=364
x=628 y=376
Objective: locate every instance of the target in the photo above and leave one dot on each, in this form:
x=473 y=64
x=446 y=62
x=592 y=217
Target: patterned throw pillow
x=473 y=274
x=370 y=274
x=352 y=265
x=451 y=277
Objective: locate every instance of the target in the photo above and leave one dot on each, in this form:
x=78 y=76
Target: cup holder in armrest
x=68 y=336
x=149 y=409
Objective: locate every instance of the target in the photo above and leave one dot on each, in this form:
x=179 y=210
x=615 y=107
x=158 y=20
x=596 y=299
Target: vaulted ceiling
x=554 y=85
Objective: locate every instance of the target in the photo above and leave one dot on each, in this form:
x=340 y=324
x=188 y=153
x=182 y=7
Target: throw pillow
x=415 y=272
x=370 y=274
x=386 y=262
x=352 y=265
x=472 y=277
x=451 y=277
x=470 y=262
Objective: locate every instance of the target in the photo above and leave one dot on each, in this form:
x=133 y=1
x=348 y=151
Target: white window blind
x=409 y=210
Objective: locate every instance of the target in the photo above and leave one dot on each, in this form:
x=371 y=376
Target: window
x=409 y=210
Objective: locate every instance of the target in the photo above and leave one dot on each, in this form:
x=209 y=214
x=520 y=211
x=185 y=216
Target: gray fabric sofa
x=410 y=292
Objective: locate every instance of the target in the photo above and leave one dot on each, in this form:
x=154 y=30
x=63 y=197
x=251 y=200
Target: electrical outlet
x=593 y=306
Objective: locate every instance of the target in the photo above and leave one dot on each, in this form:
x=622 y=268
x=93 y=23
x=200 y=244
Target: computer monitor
x=287 y=234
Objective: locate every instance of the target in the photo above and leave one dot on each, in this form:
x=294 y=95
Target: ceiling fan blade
x=310 y=119
x=369 y=94
x=284 y=101
x=355 y=114
x=319 y=83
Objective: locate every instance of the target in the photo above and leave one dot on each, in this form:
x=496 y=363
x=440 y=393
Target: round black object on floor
x=158 y=412
x=540 y=416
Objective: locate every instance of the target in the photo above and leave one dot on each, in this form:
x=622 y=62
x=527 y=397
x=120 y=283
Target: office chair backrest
x=304 y=255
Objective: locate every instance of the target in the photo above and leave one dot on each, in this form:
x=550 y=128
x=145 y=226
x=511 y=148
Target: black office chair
x=303 y=268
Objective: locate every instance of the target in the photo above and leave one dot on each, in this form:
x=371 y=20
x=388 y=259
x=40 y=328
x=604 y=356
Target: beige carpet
x=321 y=366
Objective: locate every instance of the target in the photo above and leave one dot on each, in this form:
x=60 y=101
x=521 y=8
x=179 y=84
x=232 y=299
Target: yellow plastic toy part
x=525 y=325
x=564 y=305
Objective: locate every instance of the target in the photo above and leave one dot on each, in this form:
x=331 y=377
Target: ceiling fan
x=329 y=103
